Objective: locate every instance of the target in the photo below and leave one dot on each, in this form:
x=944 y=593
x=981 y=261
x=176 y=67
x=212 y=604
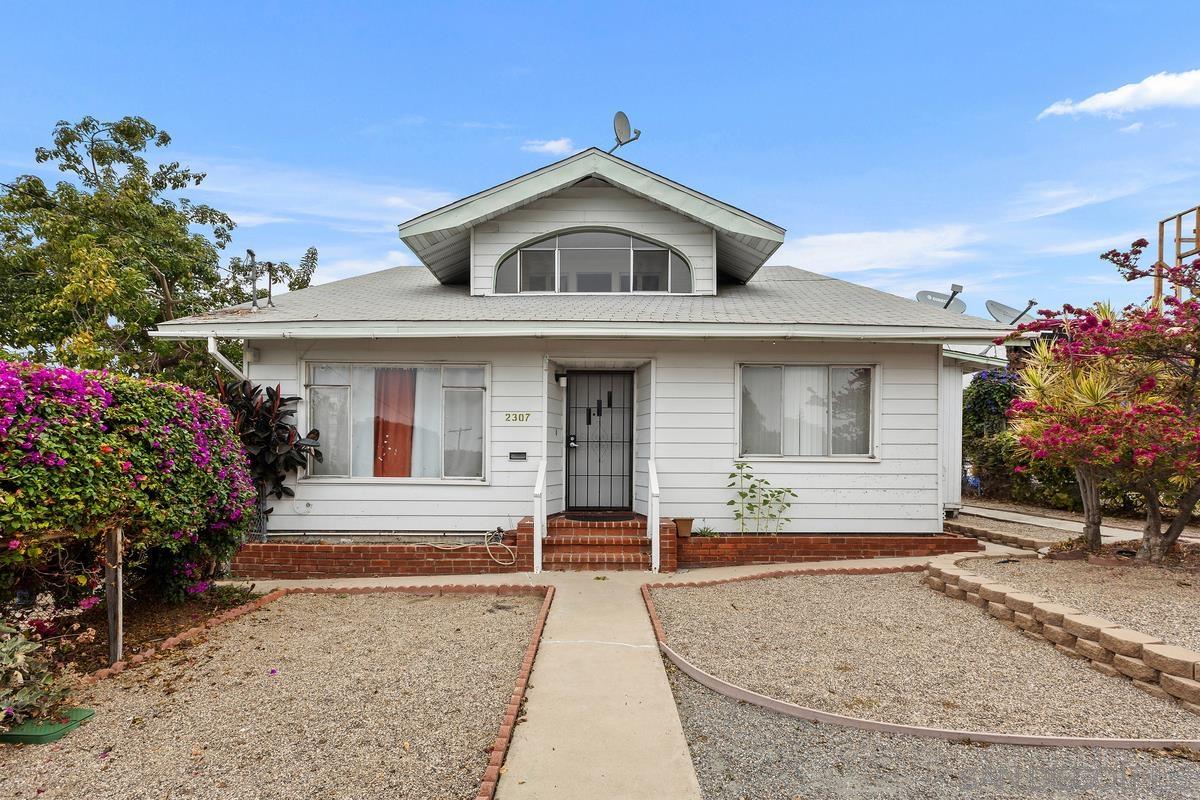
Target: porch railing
x=539 y=515
x=652 y=511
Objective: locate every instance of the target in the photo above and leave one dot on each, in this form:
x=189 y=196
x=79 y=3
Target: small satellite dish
x=1007 y=314
x=950 y=302
x=621 y=131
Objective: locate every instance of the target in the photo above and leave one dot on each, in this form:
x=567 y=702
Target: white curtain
x=362 y=390
x=427 y=425
x=851 y=410
x=330 y=414
x=761 y=396
x=805 y=404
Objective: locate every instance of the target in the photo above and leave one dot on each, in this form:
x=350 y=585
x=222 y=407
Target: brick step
x=596 y=540
x=596 y=561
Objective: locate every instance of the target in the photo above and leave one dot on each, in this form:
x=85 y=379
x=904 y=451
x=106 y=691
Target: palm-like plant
x=262 y=417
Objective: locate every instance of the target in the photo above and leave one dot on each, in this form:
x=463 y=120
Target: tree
x=1061 y=413
x=90 y=265
x=1117 y=394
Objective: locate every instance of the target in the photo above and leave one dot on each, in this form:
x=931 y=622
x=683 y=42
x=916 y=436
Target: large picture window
x=806 y=411
x=377 y=421
x=594 y=262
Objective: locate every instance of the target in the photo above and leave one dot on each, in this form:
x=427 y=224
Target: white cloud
x=1134 y=127
x=345 y=267
x=274 y=191
x=554 y=147
x=1179 y=89
x=1096 y=280
x=1047 y=198
x=835 y=253
x=1095 y=247
x=253 y=219
x=388 y=126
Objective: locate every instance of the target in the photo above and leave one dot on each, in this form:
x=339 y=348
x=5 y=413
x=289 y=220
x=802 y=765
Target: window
x=594 y=262
x=397 y=421
x=806 y=411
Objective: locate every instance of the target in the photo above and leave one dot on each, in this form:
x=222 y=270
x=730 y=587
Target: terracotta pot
x=683 y=527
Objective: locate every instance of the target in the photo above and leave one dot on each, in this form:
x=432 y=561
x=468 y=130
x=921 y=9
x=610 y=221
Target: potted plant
x=34 y=696
x=683 y=527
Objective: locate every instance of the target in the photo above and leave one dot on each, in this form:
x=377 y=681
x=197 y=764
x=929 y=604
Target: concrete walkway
x=600 y=719
x=1108 y=533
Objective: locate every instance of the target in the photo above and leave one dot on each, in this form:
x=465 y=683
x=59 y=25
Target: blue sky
x=902 y=145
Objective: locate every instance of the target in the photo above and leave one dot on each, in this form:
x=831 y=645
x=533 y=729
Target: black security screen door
x=599 y=440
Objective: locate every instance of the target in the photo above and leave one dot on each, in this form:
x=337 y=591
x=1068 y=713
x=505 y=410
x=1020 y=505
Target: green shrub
x=30 y=684
x=83 y=452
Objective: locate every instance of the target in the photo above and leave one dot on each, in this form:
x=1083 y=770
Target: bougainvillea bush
x=83 y=452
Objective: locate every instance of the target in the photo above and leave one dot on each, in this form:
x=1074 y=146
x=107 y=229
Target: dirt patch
x=329 y=696
x=885 y=647
x=149 y=621
x=1161 y=602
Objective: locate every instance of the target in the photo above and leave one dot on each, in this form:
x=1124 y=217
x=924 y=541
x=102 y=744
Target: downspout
x=222 y=360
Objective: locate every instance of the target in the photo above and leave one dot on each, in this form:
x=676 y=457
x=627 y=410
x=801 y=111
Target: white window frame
x=516 y=251
x=305 y=411
x=872 y=457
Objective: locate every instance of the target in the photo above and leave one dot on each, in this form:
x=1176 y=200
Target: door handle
x=571 y=441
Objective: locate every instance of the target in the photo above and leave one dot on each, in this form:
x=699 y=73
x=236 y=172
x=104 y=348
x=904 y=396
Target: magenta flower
x=89 y=602
x=14 y=544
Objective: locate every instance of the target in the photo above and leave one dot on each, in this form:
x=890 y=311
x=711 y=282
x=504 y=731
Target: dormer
x=592 y=224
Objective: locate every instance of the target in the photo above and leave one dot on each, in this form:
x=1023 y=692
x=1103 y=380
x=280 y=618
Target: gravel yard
x=885 y=647
x=1155 y=601
x=1015 y=528
x=328 y=696
x=742 y=752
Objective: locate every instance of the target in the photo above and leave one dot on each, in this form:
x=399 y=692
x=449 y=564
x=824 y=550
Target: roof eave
x=424 y=234
x=573 y=329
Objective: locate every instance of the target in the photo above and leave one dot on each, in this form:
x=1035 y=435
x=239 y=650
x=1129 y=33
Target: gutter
x=466 y=330
x=222 y=360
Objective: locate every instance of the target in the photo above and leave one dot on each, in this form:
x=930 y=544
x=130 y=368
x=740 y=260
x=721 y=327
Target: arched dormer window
x=595 y=261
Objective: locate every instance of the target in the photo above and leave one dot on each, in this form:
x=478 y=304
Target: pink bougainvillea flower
x=14 y=544
x=89 y=602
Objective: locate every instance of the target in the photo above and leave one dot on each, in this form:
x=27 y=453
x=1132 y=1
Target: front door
x=599 y=441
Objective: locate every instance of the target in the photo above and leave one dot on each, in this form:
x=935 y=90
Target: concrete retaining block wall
x=1160 y=669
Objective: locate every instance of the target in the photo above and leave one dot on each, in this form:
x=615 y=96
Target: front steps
x=585 y=546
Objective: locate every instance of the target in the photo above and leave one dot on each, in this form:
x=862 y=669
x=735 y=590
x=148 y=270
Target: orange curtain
x=395 y=398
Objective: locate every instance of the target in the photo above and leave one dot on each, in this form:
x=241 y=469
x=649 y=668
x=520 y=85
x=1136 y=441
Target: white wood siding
x=641 y=437
x=950 y=399
x=555 y=441
x=587 y=206
x=695 y=428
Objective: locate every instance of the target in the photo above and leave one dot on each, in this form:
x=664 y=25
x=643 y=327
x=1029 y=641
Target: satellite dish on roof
x=950 y=302
x=1007 y=314
x=621 y=131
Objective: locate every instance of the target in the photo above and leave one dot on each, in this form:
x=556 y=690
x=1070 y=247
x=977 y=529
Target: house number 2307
x=517 y=416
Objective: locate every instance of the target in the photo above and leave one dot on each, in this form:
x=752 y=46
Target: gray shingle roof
x=777 y=295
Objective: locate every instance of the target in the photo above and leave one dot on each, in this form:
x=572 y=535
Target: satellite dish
x=621 y=131
x=950 y=302
x=1007 y=314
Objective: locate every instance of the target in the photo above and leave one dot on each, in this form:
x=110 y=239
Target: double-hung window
x=806 y=410
x=398 y=421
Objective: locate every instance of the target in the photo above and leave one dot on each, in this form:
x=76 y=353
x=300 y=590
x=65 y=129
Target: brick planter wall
x=285 y=560
x=282 y=560
x=723 y=551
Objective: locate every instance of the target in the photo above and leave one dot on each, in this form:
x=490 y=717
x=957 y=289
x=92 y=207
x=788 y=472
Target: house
x=596 y=339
